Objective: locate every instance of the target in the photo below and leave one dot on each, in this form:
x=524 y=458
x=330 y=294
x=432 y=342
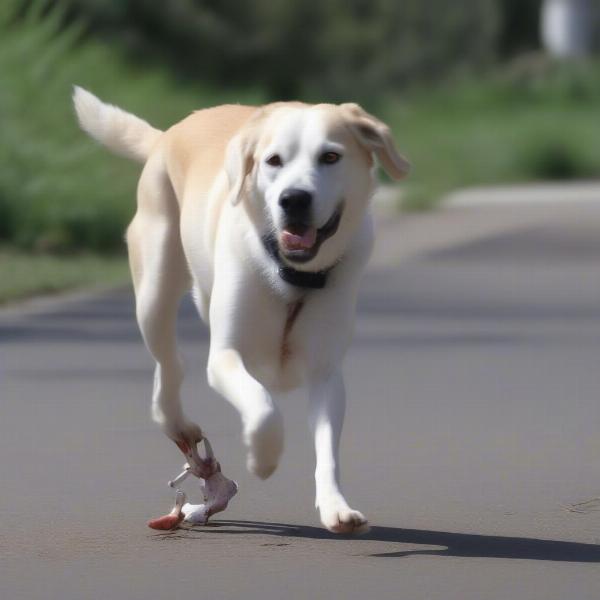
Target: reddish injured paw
x=217 y=491
x=172 y=520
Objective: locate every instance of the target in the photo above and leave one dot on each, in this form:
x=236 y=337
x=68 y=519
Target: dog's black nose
x=295 y=203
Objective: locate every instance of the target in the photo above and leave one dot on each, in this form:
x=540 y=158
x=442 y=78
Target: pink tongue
x=293 y=241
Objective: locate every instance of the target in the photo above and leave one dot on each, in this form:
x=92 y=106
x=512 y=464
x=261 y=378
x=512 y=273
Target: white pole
x=567 y=27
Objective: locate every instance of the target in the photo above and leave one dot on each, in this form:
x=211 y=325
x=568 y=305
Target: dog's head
x=305 y=173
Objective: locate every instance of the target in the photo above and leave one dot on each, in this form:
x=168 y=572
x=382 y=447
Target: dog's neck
x=315 y=280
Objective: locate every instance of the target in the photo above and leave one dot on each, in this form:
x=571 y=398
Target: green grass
x=512 y=127
x=24 y=274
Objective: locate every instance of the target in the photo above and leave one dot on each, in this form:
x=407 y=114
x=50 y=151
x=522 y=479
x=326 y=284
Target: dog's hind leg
x=161 y=278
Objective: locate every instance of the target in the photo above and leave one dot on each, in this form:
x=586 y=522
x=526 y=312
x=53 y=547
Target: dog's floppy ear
x=239 y=160
x=376 y=137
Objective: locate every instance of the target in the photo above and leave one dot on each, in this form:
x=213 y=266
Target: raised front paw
x=338 y=517
x=264 y=441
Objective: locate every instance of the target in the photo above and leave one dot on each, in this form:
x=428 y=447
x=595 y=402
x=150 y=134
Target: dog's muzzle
x=300 y=243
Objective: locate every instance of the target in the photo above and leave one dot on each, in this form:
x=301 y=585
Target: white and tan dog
x=263 y=212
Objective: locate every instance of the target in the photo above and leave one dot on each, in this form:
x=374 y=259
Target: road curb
x=387 y=198
x=529 y=195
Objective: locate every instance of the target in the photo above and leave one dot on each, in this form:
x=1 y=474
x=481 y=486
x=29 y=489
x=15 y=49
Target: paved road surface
x=473 y=424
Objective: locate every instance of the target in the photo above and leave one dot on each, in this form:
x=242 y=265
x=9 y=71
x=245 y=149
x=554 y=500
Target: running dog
x=263 y=213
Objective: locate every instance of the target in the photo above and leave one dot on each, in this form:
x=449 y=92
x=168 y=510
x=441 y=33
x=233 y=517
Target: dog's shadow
x=454 y=544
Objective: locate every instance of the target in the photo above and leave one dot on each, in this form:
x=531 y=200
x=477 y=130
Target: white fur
x=120 y=131
x=178 y=240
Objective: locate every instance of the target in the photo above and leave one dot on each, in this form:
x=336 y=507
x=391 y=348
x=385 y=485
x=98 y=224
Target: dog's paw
x=264 y=441
x=340 y=518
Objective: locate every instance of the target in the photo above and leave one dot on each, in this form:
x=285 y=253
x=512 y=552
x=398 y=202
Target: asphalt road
x=472 y=434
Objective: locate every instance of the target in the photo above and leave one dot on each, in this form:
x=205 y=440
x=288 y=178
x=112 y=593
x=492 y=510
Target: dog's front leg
x=244 y=316
x=326 y=417
x=261 y=420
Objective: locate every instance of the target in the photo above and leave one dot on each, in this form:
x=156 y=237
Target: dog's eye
x=274 y=160
x=329 y=158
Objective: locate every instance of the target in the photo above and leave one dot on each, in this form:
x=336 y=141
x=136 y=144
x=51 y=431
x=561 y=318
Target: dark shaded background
x=331 y=49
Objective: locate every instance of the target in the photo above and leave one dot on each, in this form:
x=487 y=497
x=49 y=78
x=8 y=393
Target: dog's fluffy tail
x=119 y=131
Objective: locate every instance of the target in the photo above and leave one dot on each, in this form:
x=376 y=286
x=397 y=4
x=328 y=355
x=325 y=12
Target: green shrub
x=315 y=49
x=509 y=127
x=554 y=159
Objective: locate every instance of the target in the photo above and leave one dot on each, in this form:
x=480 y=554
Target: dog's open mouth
x=299 y=242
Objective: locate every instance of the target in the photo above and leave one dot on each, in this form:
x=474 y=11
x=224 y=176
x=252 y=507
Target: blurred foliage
x=58 y=191
x=533 y=120
x=334 y=49
x=520 y=24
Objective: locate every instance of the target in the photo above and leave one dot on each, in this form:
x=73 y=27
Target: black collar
x=314 y=280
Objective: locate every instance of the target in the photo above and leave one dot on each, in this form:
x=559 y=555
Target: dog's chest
x=276 y=357
x=286 y=348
